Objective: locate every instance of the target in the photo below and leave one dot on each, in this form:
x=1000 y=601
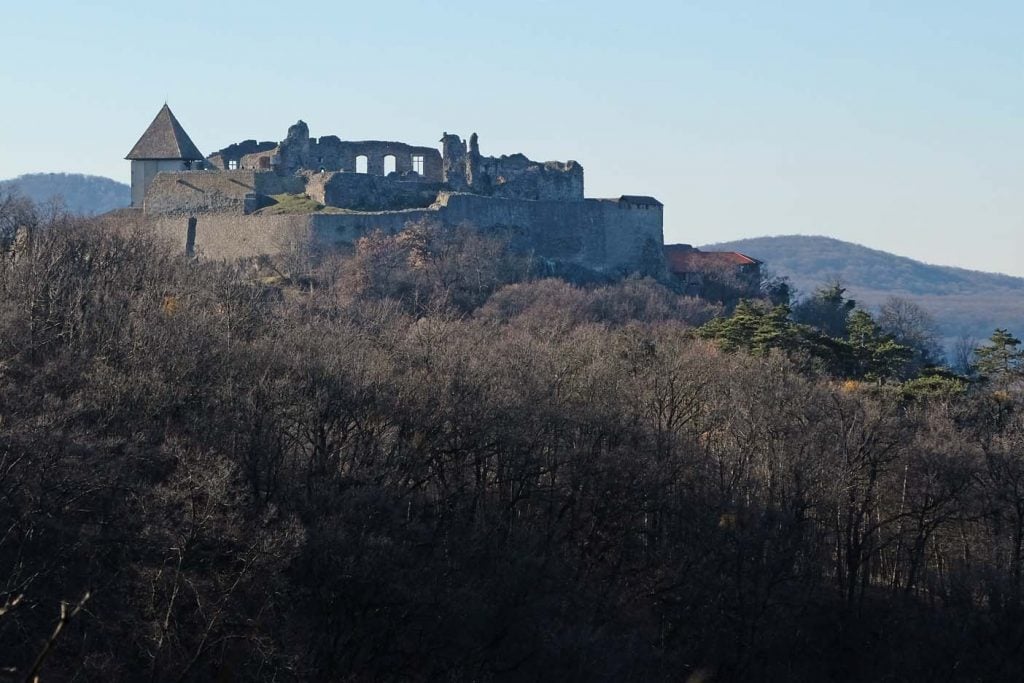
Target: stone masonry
x=224 y=206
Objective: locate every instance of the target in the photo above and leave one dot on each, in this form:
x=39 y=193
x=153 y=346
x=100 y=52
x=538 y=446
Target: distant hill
x=962 y=301
x=87 y=195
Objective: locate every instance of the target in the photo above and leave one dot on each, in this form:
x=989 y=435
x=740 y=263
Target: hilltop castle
x=253 y=198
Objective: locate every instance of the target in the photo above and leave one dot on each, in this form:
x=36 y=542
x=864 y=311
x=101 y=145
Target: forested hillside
x=421 y=461
x=962 y=301
x=86 y=195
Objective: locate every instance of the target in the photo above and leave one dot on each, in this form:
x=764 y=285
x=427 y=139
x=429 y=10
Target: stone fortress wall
x=217 y=235
x=299 y=152
x=605 y=235
x=232 y=156
x=599 y=234
x=540 y=206
x=511 y=177
x=212 y=190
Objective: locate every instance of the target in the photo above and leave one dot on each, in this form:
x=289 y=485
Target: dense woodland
x=427 y=460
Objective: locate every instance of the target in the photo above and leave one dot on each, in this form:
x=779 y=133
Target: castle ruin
x=241 y=200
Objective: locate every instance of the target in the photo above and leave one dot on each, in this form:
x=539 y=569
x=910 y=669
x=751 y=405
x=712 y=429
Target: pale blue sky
x=898 y=125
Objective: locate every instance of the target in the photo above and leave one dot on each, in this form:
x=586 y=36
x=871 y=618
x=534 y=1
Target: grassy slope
x=962 y=301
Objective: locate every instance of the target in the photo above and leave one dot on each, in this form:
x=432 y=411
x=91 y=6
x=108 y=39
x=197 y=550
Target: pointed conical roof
x=165 y=139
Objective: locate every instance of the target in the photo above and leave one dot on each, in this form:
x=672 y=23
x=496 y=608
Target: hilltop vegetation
x=963 y=302
x=418 y=461
x=85 y=195
x=421 y=460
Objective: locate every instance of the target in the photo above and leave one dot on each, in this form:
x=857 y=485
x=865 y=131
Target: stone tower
x=165 y=146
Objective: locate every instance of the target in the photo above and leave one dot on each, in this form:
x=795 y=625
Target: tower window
x=233 y=165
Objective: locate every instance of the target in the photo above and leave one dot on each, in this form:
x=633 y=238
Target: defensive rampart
x=203 y=191
x=605 y=235
x=381 y=185
x=608 y=235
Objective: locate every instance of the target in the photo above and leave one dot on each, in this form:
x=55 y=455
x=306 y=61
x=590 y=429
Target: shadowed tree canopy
x=826 y=310
x=422 y=461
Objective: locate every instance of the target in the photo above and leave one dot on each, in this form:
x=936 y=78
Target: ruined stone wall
x=362 y=192
x=602 y=234
x=261 y=161
x=315 y=185
x=217 y=235
x=607 y=235
x=557 y=230
x=293 y=152
x=237 y=152
x=203 y=191
x=272 y=183
x=231 y=236
x=328 y=231
x=299 y=152
x=199 y=191
x=455 y=163
x=511 y=176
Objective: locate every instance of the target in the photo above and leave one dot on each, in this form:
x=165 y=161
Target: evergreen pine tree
x=1001 y=360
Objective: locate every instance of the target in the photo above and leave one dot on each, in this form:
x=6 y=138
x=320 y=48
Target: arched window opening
x=390 y=164
x=362 y=163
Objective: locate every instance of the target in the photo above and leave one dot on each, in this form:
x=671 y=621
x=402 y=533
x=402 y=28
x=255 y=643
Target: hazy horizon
x=899 y=128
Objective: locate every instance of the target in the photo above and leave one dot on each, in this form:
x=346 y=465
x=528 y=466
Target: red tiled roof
x=682 y=258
